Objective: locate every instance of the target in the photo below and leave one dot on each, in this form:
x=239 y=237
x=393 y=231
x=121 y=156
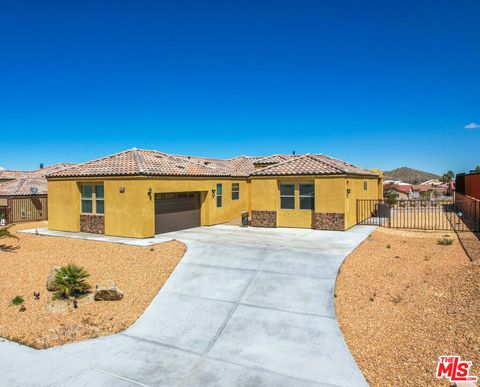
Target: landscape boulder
x=107 y=291
x=50 y=285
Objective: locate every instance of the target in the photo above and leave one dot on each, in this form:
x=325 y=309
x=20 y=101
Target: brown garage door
x=176 y=211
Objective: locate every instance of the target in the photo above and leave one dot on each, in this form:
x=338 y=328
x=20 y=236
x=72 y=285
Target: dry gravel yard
x=402 y=300
x=139 y=272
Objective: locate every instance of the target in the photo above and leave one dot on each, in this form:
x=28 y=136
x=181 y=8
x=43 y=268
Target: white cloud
x=472 y=125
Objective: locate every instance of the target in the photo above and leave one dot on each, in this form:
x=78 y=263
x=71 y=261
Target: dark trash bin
x=382 y=210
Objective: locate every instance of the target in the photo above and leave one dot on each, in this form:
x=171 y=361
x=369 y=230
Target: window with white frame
x=219 y=195
x=287 y=196
x=92 y=198
x=235 y=191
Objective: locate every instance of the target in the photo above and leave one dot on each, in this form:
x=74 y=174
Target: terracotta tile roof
x=405 y=188
x=274 y=159
x=8 y=174
x=153 y=163
x=148 y=162
x=20 y=183
x=311 y=164
x=24 y=187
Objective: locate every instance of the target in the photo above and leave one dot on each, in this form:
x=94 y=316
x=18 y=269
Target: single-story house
x=401 y=191
x=140 y=193
x=23 y=194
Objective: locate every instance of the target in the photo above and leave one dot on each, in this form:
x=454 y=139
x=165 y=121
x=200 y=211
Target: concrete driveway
x=244 y=307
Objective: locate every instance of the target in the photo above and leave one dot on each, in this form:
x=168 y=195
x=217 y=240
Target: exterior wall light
x=213 y=193
x=150 y=193
x=121 y=189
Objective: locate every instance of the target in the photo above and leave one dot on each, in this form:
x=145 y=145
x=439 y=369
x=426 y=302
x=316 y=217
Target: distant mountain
x=409 y=175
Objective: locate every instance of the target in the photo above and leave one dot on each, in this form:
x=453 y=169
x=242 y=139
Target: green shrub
x=70 y=281
x=445 y=241
x=17 y=300
x=5 y=232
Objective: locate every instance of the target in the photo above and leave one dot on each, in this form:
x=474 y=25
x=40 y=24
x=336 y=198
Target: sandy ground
x=471 y=243
x=139 y=272
x=402 y=300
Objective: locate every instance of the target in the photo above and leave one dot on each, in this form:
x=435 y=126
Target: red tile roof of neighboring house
x=422 y=187
x=8 y=174
x=148 y=162
x=24 y=187
x=21 y=183
x=405 y=188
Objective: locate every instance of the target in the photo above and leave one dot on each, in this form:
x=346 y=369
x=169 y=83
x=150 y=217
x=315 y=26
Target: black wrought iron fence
x=469 y=210
x=415 y=214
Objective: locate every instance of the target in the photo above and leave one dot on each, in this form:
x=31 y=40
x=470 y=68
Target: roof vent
x=34 y=190
x=206 y=162
x=180 y=166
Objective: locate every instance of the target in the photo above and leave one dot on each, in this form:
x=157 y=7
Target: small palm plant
x=70 y=281
x=5 y=233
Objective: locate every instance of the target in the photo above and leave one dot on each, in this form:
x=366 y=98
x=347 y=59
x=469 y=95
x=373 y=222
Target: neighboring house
x=140 y=193
x=420 y=191
x=402 y=191
x=23 y=194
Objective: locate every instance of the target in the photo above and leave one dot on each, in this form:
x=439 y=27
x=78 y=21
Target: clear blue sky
x=380 y=84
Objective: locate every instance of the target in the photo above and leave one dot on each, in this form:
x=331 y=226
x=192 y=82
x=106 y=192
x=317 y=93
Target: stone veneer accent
x=329 y=221
x=92 y=223
x=264 y=218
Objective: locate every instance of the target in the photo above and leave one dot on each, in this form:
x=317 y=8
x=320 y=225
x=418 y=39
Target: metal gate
x=419 y=214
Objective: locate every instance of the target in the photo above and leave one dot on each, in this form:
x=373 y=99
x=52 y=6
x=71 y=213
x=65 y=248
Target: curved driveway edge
x=244 y=307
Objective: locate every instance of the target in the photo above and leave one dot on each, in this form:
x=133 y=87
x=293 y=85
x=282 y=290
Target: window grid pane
x=87 y=191
x=219 y=201
x=99 y=206
x=99 y=191
x=86 y=206
x=287 y=202
x=287 y=189
x=307 y=203
x=287 y=196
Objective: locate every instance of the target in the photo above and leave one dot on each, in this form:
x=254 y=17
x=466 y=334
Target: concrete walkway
x=244 y=307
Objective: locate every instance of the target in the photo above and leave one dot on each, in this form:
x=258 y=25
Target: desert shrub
x=70 y=281
x=17 y=300
x=5 y=232
x=445 y=241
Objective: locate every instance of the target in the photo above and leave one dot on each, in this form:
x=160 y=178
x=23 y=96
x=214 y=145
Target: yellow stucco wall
x=131 y=213
x=356 y=186
x=63 y=206
x=329 y=197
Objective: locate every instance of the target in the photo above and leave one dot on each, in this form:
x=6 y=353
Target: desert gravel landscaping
x=402 y=300
x=139 y=272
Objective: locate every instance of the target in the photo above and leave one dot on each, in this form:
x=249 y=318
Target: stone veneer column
x=329 y=221
x=264 y=218
x=92 y=223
